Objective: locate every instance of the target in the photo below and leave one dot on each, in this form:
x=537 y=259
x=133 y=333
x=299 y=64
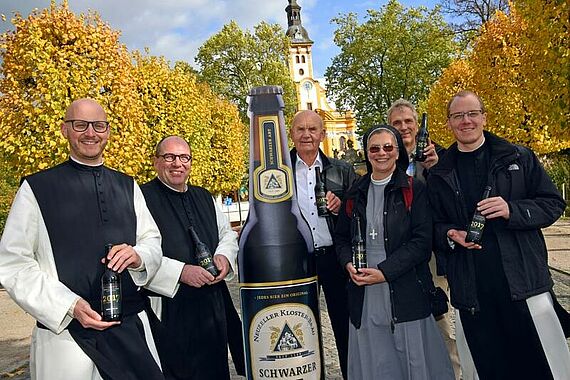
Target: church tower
x=300 y=58
x=311 y=95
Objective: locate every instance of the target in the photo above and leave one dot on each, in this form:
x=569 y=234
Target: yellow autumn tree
x=51 y=58
x=546 y=44
x=176 y=104
x=525 y=94
x=454 y=78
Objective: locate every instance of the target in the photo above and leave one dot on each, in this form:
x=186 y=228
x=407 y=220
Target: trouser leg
x=333 y=280
x=445 y=323
x=235 y=337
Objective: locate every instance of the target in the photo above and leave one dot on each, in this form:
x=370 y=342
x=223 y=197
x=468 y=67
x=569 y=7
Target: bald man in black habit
x=192 y=332
x=51 y=259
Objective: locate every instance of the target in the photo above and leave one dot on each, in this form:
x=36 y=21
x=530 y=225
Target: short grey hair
x=401 y=103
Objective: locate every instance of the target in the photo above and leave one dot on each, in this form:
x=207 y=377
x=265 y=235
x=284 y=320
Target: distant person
x=192 y=335
x=307 y=132
x=350 y=154
x=502 y=286
x=393 y=334
x=51 y=259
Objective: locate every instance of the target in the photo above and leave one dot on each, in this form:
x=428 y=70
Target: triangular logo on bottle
x=273 y=183
x=288 y=340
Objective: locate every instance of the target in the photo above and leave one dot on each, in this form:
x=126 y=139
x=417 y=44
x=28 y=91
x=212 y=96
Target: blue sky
x=177 y=28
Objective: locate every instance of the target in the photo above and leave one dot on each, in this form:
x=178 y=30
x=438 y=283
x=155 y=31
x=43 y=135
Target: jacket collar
x=502 y=152
x=360 y=188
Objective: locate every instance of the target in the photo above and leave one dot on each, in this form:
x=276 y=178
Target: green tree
x=233 y=61
x=395 y=53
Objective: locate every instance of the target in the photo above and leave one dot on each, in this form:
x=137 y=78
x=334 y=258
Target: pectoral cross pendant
x=373 y=234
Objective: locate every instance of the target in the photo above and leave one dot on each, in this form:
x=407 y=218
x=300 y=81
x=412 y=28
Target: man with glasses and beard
x=192 y=334
x=51 y=260
x=501 y=288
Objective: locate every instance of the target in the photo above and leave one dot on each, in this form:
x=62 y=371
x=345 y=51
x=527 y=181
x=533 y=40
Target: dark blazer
x=337 y=175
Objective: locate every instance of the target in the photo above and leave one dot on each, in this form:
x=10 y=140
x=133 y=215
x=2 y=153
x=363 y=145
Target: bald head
x=307 y=116
x=171 y=140
x=173 y=162
x=307 y=133
x=86 y=145
x=85 y=105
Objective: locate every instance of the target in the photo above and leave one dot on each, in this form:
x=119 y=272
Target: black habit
x=191 y=336
x=84 y=208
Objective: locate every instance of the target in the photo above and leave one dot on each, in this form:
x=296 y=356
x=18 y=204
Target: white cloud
x=173 y=28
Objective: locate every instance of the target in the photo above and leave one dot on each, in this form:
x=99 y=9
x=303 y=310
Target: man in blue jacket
x=502 y=286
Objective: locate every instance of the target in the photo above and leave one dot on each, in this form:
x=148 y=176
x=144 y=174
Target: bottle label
x=272 y=180
x=359 y=257
x=282 y=331
x=111 y=299
x=322 y=205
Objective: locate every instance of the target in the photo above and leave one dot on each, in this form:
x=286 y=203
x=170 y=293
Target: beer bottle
x=202 y=253
x=358 y=247
x=111 y=296
x=422 y=140
x=320 y=194
x=277 y=274
x=475 y=230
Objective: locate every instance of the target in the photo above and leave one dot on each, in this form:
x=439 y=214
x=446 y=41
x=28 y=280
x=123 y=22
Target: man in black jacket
x=502 y=286
x=307 y=132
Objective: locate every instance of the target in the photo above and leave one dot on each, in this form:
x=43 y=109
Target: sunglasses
x=376 y=148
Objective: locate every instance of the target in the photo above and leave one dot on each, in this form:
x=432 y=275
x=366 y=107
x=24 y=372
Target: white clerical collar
x=472 y=150
x=317 y=161
x=83 y=163
x=172 y=188
x=379 y=182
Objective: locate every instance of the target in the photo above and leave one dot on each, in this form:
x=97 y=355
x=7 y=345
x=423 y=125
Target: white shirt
x=305 y=181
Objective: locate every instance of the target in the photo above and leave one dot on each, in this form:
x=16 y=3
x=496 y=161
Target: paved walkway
x=15 y=325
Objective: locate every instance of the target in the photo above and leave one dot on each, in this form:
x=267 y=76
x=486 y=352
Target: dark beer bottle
x=111 y=295
x=359 y=259
x=320 y=194
x=422 y=140
x=277 y=274
x=475 y=230
x=202 y=253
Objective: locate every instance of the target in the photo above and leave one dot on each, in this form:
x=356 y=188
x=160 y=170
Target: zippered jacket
x=407 y=239
x=517 y=176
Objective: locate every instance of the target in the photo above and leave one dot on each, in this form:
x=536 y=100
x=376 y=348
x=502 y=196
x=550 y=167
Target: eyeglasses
x=169 y=157
x=457 y=116
x=376 y=148
x=82 y=125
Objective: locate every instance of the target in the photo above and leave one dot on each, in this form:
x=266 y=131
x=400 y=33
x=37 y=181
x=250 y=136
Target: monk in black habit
x=51 y=260
x=192 y=332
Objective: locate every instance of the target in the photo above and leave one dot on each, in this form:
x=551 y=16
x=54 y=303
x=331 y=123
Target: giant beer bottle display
x=278 y=283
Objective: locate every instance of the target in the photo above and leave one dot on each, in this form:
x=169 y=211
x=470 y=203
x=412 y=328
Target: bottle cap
x=265 y=90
